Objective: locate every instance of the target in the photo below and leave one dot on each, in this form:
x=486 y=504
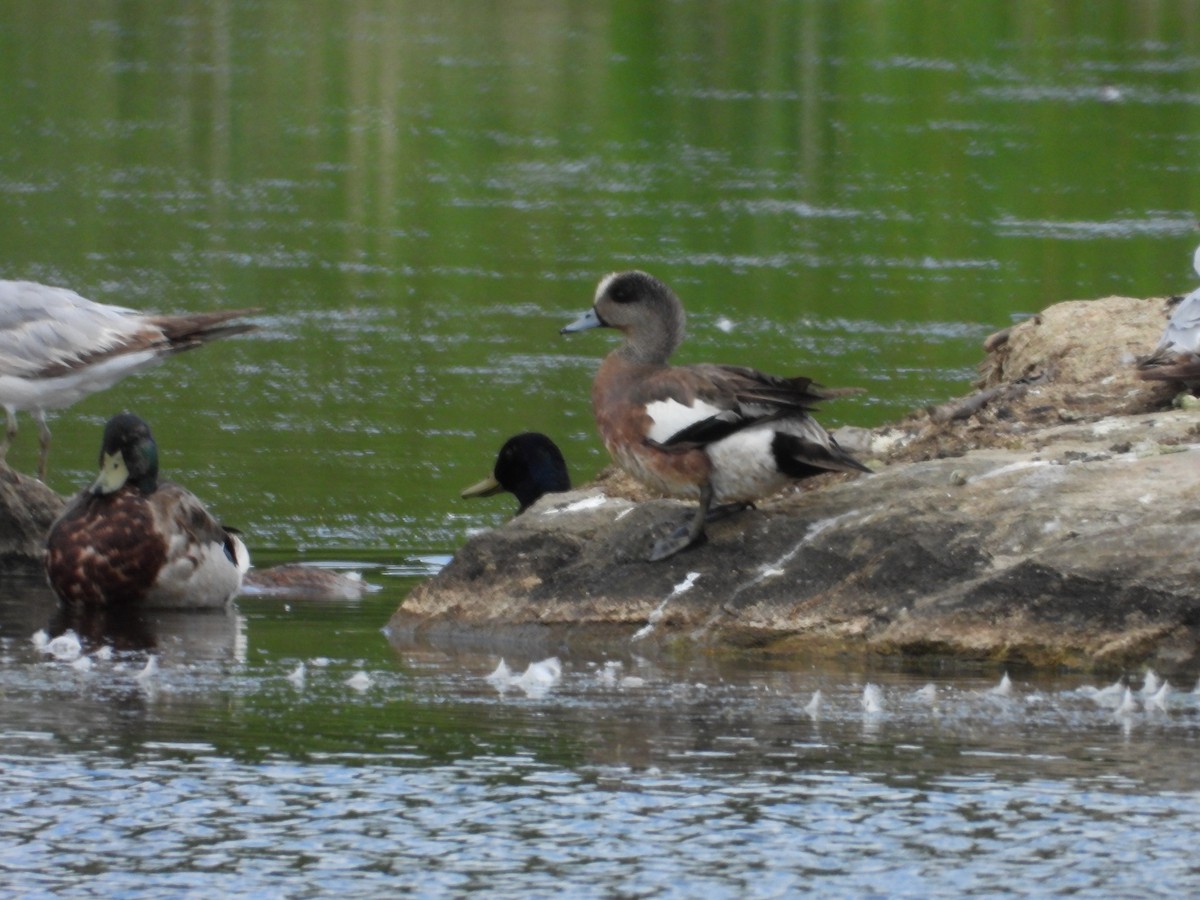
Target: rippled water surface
x=292 y=750
x=418 y=196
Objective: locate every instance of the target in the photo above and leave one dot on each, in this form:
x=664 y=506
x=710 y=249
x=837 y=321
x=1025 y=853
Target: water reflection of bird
x=1177 y=356
x=529 y=465
x=57 y=347
x=132 y=539
x=725 y=434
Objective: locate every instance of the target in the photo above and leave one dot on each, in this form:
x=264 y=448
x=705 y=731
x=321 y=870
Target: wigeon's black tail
x=799 y=457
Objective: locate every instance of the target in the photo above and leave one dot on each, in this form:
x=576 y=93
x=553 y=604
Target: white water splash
x=360 y=681
x=149 y=670
x=872 y=700
x=298 y=675
x=1129 y=704
x=65 y=648
x=1004 y=688
x=1160 y=698
x=540 y=677
x=501 y=677
x=813 y=707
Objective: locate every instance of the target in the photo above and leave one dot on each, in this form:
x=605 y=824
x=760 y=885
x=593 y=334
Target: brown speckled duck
x=134 y=540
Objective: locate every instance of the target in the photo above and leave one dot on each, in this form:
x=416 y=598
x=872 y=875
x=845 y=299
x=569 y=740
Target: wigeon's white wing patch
x=670 y=417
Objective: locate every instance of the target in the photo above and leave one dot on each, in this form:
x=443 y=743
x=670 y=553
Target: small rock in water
x=872 y=699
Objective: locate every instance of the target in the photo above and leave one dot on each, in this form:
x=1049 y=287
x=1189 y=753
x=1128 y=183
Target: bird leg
x=687 y=534
x=44 y=440
x=10 y=434
x=725 y=510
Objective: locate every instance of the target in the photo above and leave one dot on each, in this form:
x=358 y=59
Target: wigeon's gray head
x=644 y=309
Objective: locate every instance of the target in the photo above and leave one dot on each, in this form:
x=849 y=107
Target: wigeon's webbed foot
x=687 y=534
x=679 y=539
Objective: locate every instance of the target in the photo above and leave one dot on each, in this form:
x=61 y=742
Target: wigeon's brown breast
x=104 y=550
x=619 y=402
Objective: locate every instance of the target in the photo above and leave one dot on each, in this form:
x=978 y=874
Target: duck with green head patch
x=528 y=466
x=132 y=539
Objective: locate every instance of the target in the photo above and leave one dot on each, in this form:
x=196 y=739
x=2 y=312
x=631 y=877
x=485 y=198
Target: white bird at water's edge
x=1177 y=355
x=57 y=347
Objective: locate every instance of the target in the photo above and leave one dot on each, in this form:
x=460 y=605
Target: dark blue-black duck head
x=528 y=466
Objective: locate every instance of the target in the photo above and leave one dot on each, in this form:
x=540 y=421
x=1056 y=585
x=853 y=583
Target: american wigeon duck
x=132 y=539
x=57 y=347
x=1177 y=356
x=722 y=434
x=529 y=465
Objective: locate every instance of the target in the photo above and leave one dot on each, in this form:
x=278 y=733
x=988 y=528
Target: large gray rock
x=27 y=507
x=1053 y=518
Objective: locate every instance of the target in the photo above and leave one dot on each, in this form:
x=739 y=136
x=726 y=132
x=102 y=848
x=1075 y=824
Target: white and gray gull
x=57 y=347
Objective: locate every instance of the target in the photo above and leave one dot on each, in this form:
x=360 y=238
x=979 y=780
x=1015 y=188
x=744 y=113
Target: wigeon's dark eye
x=622 y=291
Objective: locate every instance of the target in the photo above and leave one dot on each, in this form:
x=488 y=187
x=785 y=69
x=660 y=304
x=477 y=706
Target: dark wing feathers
x=183 y=332
x=180 y=511
x=745 y=397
